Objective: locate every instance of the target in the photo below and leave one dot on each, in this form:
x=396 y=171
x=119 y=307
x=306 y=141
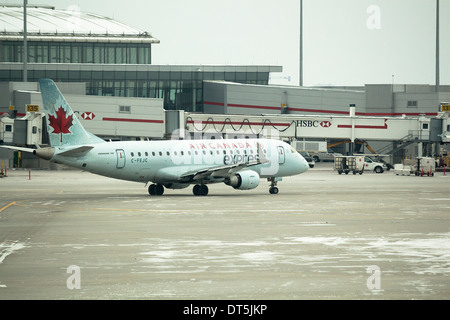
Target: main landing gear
x=156 y=189
x=273 y=185
x=200 y=190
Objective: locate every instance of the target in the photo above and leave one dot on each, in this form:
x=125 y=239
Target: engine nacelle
x=244 y=180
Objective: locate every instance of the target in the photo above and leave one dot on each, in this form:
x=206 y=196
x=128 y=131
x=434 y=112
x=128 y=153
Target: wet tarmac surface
x=74 y=235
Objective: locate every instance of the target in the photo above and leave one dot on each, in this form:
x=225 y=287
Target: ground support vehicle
x=347 y=164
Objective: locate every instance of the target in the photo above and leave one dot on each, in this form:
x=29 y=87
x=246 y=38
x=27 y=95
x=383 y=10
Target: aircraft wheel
x=156 y=189
x=200 y=190
x=204 y=190
x=151 y=189
x=159 y=189
x=273 y=190
x=195 y=190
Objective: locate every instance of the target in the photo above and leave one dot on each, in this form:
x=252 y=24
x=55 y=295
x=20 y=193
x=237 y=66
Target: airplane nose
x=305 y=165
x=302 y=165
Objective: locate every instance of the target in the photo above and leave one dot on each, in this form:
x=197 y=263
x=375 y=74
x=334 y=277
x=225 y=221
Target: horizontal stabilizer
x=76 y=152
x=19 y=148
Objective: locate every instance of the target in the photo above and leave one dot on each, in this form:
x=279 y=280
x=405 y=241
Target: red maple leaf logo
x=61 y=123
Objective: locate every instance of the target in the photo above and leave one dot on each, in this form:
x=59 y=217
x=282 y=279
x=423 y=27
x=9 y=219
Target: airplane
x=168 y=164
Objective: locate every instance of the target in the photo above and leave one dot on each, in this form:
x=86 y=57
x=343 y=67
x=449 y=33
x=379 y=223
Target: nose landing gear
x=273 y=185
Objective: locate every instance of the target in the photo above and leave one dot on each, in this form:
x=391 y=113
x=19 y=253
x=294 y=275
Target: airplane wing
x=222 y=171
x=217 y=172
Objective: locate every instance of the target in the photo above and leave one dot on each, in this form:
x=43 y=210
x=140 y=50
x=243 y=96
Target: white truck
x=375 y=166
x=325 y=156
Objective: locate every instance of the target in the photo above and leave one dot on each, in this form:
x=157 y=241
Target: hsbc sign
x=326 y=124
x=88 y=115
x=313 y=123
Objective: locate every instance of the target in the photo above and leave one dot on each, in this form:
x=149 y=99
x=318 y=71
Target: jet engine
x=244 y=180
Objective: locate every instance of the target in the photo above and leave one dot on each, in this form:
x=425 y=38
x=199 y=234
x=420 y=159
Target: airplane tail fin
x=63 y=126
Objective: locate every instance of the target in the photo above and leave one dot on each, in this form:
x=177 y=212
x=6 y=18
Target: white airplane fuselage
x=165 y=161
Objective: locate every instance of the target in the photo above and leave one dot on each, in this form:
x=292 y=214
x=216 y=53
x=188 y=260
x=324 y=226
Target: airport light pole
x=301 y=44
x=25 y=44
x=437 y=46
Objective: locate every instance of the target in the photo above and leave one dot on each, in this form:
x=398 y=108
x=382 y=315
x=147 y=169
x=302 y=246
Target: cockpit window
x=293 y=150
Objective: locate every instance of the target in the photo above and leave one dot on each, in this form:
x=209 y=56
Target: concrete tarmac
x=75 y=235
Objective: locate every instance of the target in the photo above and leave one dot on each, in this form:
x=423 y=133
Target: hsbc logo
x=88 y=115
x=307 y=123
x=325 y=124
x=313 y=123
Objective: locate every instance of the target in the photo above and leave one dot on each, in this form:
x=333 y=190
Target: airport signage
x=313 y=123
x=445 y=107
x=32 y=108
x=88 y=115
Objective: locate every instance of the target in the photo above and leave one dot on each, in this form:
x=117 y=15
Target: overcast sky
x=346 y=42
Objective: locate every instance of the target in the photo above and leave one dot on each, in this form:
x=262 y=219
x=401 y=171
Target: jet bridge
x=319 y=126
x=402 y=130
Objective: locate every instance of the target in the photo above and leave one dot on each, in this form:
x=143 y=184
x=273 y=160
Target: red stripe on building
x=348 y=126
x=318 y=111
x=214 y=103
x=395 y=114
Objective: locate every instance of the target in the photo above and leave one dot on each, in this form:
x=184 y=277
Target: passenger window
x=132 y=154
x=139 y=154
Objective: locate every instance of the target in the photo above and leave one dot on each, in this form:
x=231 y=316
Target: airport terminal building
x=105 y=70
x=112 y=58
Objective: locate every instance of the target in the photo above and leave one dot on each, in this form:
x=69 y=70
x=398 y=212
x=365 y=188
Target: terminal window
x=124 y=109
x=76 y=52
x=412 y=104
